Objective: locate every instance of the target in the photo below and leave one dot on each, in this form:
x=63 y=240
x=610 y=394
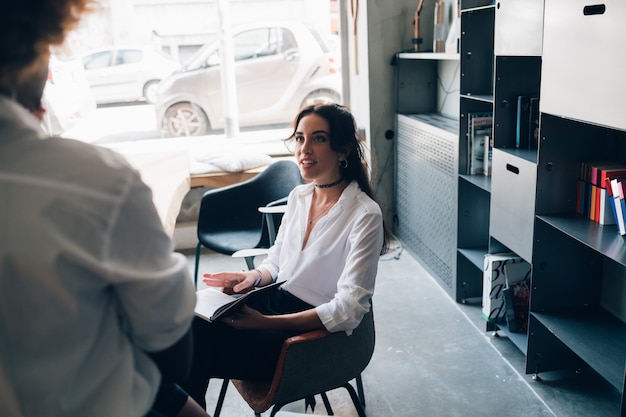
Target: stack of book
x=479 y=143
x=600 y=195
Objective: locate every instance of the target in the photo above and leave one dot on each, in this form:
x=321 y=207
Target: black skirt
x=221 y=351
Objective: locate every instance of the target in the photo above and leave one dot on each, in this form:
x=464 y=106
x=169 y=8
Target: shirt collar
x=348 y=194
x=17 y=114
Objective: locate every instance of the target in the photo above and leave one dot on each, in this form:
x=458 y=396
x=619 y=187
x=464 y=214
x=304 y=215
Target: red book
x=599 y=175
x=606 y=173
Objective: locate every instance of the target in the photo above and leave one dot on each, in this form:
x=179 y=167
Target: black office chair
x=229 y=219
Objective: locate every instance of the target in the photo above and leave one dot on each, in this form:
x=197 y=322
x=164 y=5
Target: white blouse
x=336 y=271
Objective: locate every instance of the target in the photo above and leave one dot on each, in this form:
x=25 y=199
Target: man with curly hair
x=95 y=307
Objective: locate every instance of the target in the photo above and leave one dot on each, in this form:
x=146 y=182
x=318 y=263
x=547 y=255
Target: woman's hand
x=232 y=282
x=247 y=319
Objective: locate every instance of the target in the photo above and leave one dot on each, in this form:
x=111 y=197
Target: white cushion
x=232 y=162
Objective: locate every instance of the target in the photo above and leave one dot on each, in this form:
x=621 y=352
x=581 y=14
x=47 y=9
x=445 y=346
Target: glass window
x=98 y=60
x=252 y=43
x=287 y=40
x=128 y=56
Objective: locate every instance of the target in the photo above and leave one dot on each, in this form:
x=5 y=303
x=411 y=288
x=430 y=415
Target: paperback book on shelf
x=527 y=122
x=595 y=197
x=494 y=284
x=533 y=142
x=479 y=132
x=517 y=295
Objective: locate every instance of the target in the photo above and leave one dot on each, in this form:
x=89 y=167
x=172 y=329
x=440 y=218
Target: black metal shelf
x=594 y=335
x=481 y=181
x=436 y=56
x=520 y=340
x=476 y=256
x=603 y=239
x=485 y=98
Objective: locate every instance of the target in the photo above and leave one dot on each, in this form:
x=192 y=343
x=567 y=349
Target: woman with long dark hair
x=326 y=252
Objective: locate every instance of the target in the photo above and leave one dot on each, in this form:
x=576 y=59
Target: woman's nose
x=306 y=147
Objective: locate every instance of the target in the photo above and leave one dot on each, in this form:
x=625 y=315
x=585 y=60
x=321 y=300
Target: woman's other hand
x=247 y=318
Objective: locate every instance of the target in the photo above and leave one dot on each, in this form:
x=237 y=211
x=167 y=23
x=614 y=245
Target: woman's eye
x=319 y=139
x=299 y=139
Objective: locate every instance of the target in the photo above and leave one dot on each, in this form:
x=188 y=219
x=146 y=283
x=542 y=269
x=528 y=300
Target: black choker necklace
x=332 y=184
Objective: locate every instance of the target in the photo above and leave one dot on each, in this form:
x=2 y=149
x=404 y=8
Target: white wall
x=383 y=28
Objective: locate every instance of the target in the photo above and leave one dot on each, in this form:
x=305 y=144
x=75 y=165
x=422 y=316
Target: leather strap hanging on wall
x=417 y=40
x=354 y=11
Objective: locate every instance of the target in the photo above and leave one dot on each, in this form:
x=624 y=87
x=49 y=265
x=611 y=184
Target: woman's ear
x=344 y=154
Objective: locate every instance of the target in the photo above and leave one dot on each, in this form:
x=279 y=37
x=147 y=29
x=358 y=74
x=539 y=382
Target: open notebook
x=212 y=303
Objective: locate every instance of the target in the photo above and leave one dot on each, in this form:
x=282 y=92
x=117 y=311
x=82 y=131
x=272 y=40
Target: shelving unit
x=499 y=63
x=476 y=85
x=566 y=52
x=571 y=322
x=578 y=299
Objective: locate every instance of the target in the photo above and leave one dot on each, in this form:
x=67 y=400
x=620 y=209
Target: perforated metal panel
x=426 y=192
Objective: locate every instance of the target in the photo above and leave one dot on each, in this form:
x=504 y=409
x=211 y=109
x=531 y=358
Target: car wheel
x=185 y=119
x=150 y=91
x=321 y=97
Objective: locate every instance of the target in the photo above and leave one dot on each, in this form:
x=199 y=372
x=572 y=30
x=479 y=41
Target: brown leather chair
x=312 y=363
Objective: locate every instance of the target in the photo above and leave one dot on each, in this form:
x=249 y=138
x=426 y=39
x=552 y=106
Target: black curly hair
x=28 y=28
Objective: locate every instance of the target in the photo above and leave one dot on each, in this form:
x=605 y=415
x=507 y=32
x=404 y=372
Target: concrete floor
x=433 y=357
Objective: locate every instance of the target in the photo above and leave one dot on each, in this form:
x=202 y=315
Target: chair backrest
x=312 y=363
x=234 y=208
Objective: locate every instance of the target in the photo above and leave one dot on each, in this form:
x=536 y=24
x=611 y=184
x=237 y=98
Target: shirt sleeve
x=357 y=281
x=151 y=283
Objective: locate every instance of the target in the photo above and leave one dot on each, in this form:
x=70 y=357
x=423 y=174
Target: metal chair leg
x=355 y=399
x=250 y=262
x=329 y=409
x=195 y=274
x=220 y=399
x=359 y=387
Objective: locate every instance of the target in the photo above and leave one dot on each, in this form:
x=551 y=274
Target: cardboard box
x=494 y=282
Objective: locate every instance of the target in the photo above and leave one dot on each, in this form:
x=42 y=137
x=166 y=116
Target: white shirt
x=88 y=279
x=336 y=271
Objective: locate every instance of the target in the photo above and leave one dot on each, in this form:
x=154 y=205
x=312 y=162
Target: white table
x=167 y=175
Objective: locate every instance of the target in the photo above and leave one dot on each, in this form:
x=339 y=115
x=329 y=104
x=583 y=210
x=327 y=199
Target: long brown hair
x=344 y=138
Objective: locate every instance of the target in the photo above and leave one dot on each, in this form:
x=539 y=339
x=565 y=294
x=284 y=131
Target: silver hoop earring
x=343 y=163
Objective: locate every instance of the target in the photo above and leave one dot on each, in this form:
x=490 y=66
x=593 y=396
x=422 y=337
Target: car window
x=319 y=40
x=200 y=59
x=97 y=60
x=263 y=42
x=128 y=56
x=252 y=43
x=287 y=40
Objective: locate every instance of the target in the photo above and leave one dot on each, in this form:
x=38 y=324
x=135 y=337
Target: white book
x=615 y=189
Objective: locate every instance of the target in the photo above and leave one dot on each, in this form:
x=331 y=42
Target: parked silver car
x=126 y=73
x=279 y=67
x=66 y=96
